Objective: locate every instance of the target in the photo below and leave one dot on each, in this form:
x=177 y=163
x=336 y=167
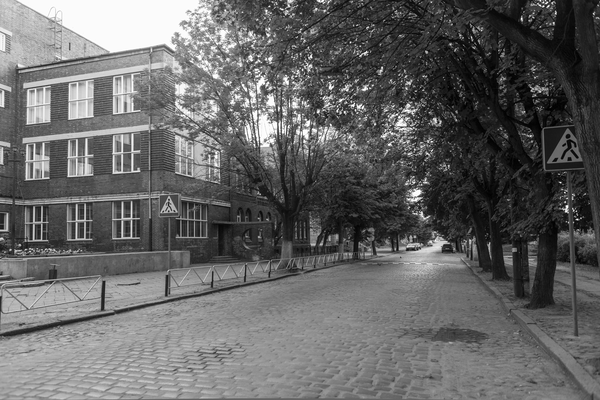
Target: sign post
x=169 y=206
x=561 y=153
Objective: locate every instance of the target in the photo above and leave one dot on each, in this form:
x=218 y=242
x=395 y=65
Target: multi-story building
x=83 y=164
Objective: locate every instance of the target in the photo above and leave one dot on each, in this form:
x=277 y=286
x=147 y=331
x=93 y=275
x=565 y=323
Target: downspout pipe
x=150 y=225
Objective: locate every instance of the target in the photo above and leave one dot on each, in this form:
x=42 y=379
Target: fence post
x=167 y=285
x=1 y=308
x=212 y=278
x=270 y=268
x=103 y=295
x=245 y=267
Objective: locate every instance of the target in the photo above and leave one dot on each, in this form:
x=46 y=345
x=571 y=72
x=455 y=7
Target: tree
x=567 y=45
x=262 y=104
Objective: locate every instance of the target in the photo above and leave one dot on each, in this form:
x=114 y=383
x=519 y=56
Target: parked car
x=447 y=247
x=412 y=246
x=430 y=243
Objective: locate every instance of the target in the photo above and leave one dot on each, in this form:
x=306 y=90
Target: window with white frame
x=80 y=157
x=3 y=157
x=81 y=99
x=2 y=41
x=36 y=223
x=37 y=161
x=213 y=170
x=124 y=88
x=38 y=105
x=240 y=215
x=193 y=222
x=3 y=222
x=184 y=156
x=126 y=153
x=79 y=221
x=2 y=94
x=126 y=219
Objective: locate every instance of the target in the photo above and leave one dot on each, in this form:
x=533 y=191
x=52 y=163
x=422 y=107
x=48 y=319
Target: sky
x=118 y=25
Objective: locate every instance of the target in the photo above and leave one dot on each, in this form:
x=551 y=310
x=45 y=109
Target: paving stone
x=353 y=331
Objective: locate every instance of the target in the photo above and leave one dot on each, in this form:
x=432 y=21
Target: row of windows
x=126 y=153
x=192 y=159
x=126 y=222
x=81 y=99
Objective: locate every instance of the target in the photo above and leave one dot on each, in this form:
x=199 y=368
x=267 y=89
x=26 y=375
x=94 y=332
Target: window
x=81 y=99
x=248 y=218
x=260 y=230
x=36 y=223
x=2 y=42
x=38 y=105
x=193 y=222
x=80 y=157
x=79 y=221
x=3 y=222
x=213 y=170
x=126 y=219
x=2 y=98
x=124 y=88
x=126 y=153
x=184 y=156
x=240 y=215
x=37 y=161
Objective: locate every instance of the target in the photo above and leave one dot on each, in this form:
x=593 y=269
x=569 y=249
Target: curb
x=566 y=361
x=151 y=303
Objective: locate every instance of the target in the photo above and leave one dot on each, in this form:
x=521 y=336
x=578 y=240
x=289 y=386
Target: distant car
x=447 y=247
x=412 y=246
x=430 y=243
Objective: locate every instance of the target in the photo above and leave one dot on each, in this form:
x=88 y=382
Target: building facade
x=83 y=165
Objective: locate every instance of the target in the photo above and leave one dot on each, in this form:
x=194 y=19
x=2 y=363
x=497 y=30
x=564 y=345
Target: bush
x=585 y=249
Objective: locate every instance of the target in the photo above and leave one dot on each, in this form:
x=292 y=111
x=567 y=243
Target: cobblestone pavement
x=387 y=328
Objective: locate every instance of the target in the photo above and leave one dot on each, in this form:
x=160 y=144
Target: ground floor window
x=36 y=223
x=126 y=219
x=193 y=222
x=79 y=221
x=3 y=222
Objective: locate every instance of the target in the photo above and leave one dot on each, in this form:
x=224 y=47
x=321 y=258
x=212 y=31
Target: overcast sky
x=119 y=24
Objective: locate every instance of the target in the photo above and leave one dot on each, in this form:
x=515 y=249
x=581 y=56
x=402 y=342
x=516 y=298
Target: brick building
x=83 y=166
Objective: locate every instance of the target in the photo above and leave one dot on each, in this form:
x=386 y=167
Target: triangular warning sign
x=566 y=150
x=169 y=207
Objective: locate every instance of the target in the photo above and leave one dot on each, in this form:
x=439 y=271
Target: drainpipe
x=150 y=227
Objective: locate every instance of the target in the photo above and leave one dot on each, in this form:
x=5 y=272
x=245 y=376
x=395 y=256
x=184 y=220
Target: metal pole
x=270 y=268
x=212 y=278
x=0 y=308
x=169 y=245
x=167 y=285
x=103 y=296
x=245 y=268
x=572 y=255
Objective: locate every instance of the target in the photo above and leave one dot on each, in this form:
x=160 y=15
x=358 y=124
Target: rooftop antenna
x=55 y=17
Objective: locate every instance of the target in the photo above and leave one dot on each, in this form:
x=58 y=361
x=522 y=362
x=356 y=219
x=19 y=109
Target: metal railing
x=181 y=278
x=24 y=296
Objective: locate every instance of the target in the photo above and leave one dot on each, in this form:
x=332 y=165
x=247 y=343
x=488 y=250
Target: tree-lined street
x=415 y=326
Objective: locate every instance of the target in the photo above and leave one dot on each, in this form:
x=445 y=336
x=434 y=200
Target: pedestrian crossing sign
x=169 y=205
x=560 y=149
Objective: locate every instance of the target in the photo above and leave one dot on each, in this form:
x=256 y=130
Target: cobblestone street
x=420 y=326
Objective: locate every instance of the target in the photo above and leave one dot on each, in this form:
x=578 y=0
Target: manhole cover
x=459 y=335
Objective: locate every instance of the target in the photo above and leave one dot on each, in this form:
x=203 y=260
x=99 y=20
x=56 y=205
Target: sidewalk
x=553 y=327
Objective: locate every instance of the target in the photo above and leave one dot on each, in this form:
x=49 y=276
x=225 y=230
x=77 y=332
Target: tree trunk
x=543 y=282
x=287 y=238
x=373 y=248
x=357 y=236
x=498 y=267
x=485 y=262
